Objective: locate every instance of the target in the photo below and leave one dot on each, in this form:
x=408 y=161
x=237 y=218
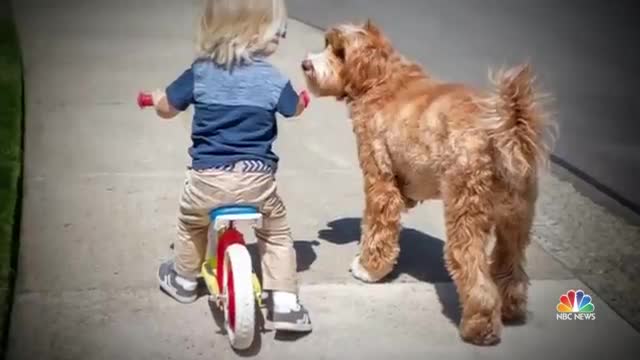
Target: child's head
x=236 y=31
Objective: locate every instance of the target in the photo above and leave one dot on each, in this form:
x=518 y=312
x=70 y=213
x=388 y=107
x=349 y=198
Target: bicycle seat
x=234 y=213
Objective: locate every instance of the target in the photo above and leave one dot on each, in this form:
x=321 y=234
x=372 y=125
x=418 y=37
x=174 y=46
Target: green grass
x=11 y=115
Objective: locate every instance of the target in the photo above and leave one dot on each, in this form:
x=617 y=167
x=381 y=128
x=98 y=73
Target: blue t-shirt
x=234 y=111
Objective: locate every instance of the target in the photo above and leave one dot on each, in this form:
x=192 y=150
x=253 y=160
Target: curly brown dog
x=418 y=139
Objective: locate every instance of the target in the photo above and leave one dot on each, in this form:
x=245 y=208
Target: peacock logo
x=575 y=305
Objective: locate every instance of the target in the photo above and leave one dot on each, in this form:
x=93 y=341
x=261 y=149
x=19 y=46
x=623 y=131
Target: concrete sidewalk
x=102 y=181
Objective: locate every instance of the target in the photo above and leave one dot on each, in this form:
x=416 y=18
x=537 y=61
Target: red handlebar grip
x=144 y=100
x=306 y=99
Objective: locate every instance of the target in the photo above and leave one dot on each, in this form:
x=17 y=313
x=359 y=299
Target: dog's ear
x=334 y=38
x=365 y=65
x=371 y=28
x=376 y=35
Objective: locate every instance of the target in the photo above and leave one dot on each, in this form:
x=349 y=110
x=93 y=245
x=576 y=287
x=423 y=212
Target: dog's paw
x=481 y=329
x=359 y=272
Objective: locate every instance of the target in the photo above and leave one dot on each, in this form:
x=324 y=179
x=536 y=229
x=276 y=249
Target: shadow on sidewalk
x=421 y=257
x=305 y=255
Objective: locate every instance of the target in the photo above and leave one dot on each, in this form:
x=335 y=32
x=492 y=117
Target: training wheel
x=238 y=297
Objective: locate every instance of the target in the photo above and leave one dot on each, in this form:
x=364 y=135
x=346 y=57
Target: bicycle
x=229 y=275
x=227 y=270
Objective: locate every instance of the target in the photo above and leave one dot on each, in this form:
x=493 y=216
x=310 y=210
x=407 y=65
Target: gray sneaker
x=167 y=277
x=294 y=320
x=297 y=320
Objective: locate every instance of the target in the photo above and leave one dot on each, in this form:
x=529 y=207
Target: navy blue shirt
x=234 y=111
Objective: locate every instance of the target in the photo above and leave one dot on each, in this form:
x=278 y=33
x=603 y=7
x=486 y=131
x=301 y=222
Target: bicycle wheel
x=239 y=303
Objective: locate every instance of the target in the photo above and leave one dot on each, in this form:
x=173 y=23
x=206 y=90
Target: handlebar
x=306 y=99
x=144 y=99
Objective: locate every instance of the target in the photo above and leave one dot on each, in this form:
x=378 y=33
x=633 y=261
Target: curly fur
x=418 y=139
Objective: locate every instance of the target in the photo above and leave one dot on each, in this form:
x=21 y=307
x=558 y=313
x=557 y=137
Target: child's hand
x=162 y=106
x=303 y=101
x=158 y=95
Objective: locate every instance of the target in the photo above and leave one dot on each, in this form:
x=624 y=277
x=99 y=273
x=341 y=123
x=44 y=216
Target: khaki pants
x=204 y=190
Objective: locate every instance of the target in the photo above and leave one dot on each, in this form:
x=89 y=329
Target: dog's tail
x=517 y=125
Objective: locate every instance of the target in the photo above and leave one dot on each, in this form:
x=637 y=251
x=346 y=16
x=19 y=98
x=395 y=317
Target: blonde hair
x=233 y=32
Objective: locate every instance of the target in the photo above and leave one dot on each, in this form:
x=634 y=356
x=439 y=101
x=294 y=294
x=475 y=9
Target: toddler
x=236 y=94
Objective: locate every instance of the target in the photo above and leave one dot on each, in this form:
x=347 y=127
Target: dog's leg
x=380 y=231
x=467 y=200
x=409 y=203
x=512 y=238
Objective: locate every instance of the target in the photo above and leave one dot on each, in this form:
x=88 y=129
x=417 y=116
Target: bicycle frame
x=223 y=220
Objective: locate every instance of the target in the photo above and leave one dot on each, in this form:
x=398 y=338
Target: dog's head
x=354 y=60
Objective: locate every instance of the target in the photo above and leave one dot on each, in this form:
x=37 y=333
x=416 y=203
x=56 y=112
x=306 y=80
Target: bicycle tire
x=238 y=290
